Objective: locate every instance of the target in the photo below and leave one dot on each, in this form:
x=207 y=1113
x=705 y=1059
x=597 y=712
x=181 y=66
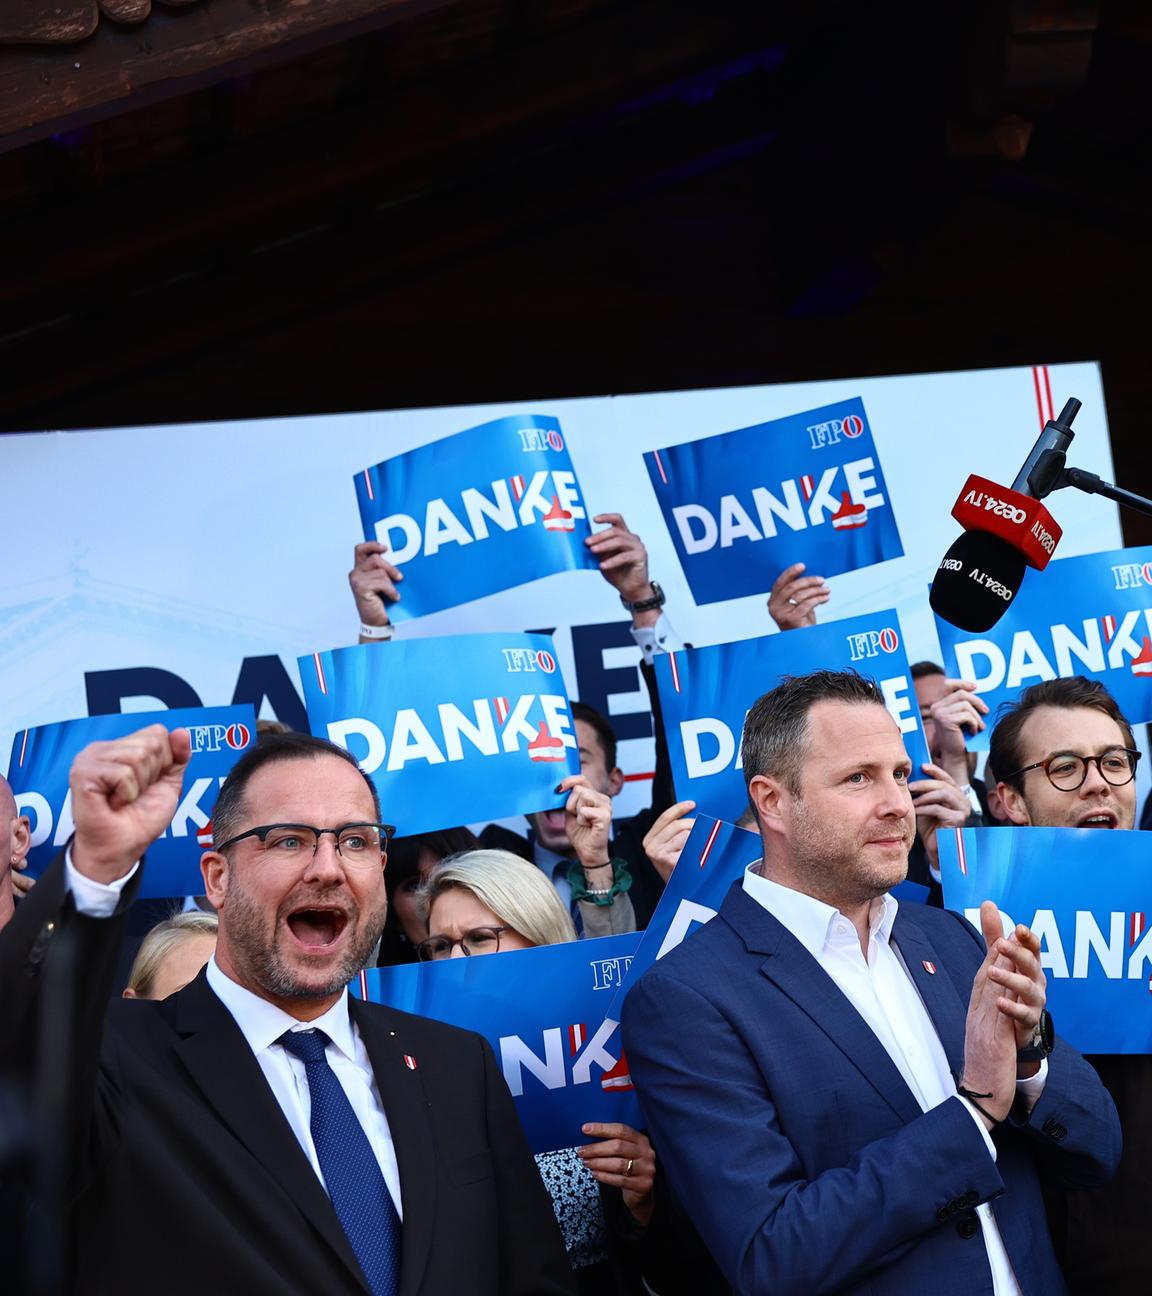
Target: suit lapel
x=937 y=989
x=395 y=1061
x=797 y=974
x=218 y=1058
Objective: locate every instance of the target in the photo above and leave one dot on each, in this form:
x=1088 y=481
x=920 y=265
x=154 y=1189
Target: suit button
x=968 y=1226
x=943 y=1213
x=1057 y=1132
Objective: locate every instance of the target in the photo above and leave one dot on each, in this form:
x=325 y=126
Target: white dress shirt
x=659 y=637
x=884 y=994
x=262 y=1024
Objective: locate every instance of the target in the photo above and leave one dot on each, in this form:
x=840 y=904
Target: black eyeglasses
x=359 y=845
x=480 y=940
x=1067 y=770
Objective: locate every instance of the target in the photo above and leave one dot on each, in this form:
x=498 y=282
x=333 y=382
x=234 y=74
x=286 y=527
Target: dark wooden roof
x=250 y=208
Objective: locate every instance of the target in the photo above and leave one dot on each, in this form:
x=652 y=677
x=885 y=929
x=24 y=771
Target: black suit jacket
x=188 y=1178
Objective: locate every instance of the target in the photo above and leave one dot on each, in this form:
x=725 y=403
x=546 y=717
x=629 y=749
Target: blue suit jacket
x=799 y=1150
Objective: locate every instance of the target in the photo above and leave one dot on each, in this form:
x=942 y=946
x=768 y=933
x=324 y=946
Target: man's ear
x=215 y=870
x=21 y=838
x=615 y=781
x=1013 y=802
x=767 y=797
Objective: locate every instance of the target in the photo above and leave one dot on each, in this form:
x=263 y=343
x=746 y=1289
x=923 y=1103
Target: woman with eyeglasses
x=489 y=902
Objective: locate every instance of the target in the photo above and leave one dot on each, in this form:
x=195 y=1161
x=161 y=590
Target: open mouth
x=554 y=819
x=317 y=929
x=1098 y=819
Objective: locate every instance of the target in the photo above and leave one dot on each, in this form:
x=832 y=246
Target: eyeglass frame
x=1131 y=753
x=386 y=833
x=483 y=927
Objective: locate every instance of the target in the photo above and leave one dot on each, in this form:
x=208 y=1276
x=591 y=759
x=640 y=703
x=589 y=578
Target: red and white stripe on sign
x=409 y=1061
x=577 y=1035
x=660 y=466
x=363 y=984
x=1043 y=388
x=709 y=843
x=320 y=674
x=1135 y=928
x=929 y=967
x=807 y=485
x=501 y=705
x=675 y=671
x=23 y=747
x=368 y=484
x=960 y=850
x=517 y=486
x=1109 y=624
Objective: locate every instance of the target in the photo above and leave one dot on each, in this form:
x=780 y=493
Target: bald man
x=15 y=838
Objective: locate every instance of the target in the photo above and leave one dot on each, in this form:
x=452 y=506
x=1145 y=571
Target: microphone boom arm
x=1093 y=485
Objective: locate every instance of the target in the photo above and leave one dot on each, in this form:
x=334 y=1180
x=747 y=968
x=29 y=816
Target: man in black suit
x=260 y=1132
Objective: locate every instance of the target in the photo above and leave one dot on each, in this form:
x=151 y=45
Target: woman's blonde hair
x=517 y=892
x=159 y=943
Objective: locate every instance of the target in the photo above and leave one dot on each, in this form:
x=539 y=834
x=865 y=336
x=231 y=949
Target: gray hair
x=775 y=741
x=517 y=892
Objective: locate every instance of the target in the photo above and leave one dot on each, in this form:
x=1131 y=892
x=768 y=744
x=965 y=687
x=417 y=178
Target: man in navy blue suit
x=852 y=1095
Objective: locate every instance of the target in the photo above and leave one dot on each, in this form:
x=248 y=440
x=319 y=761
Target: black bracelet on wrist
x=968 y=1093
x=589 y=867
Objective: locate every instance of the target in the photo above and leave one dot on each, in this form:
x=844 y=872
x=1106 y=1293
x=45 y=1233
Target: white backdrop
x=189 y=548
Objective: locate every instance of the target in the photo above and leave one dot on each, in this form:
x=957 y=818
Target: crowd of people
x=841 y=1093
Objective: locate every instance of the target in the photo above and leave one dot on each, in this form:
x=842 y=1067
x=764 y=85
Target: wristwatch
x=649 y=604
x=1042 y=1041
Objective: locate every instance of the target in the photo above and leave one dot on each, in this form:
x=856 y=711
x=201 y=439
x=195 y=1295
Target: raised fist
x=124 y=794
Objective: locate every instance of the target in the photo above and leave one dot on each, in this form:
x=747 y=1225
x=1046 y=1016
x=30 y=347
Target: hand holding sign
x=795 y=598
x=124 y=794
x=951 y=718
x=373 y=580
x=665 y=839
x=622 y=557
x=624 y=1160
x=588 y=821
x=939 y=803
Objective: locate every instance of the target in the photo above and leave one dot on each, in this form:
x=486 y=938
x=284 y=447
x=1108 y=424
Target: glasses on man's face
x=480 y=940
x=360 y=845
x=1067 y=770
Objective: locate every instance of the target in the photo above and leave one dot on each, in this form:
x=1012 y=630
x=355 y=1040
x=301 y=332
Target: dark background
x=494 y=201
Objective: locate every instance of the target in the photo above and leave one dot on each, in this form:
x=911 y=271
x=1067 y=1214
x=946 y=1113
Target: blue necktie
x=351 y=1171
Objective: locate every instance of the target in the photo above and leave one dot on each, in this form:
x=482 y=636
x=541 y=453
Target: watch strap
x=657 y=600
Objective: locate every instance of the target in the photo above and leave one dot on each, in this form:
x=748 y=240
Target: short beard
x=265 y=965
x=828 y=872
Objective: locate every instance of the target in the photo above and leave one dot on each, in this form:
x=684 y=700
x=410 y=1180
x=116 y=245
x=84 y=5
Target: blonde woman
x=171 y=955
x=489 y=902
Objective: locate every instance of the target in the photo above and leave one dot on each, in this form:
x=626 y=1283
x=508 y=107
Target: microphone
x=1005 y=531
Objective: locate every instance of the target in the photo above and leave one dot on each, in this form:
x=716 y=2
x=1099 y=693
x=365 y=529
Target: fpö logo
x=1132 y=575
x=536 y=439
x=871 y=643
x=214 y=738
x=528 y=659
x=827 y=434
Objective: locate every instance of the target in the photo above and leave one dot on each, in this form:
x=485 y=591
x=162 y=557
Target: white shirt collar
x=814 y=923
x=262 y=1023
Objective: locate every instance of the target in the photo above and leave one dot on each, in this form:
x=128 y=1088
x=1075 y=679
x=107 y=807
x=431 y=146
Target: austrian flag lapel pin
x=930 y=968
x=409 y=1061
